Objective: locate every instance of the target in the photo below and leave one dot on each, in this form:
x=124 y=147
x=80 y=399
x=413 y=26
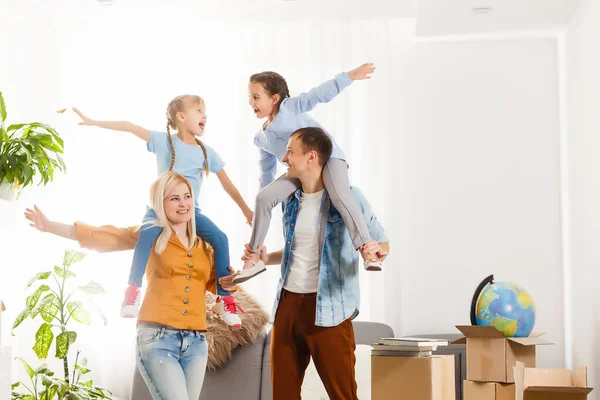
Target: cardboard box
x=491 y=357
x=488 y=391
x=550 y=384
x=410 y=378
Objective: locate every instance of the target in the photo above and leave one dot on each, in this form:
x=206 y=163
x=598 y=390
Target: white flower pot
x=8 y=191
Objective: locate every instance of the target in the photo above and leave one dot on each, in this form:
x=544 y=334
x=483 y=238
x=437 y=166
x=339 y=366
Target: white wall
x=477 y=178
x=583 y=59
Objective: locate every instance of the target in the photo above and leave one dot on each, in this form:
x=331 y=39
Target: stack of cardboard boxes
x=490 y=361
x=498 y=368
x=5 y=363
x=491 y=368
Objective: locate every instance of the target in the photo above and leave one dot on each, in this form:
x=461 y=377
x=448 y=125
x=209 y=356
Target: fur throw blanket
x=222 y=339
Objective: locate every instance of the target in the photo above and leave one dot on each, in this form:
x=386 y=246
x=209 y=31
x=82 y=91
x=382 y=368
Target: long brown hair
x=176 y=105
x=273 y=83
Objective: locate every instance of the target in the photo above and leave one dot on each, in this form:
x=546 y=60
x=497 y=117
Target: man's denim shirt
x=338 y=295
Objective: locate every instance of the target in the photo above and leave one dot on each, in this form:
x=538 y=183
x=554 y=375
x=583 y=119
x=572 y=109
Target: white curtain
x=119 y=63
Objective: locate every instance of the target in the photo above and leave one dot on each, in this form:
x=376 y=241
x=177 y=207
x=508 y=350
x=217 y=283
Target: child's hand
x=362 y=72
x=37 y=218
x=249 y=255
x=371 y=247
x=84 y=120
x=249 y=216
x=370 y=250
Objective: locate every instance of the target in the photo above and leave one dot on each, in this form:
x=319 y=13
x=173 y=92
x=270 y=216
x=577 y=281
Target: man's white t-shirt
x=303 y=276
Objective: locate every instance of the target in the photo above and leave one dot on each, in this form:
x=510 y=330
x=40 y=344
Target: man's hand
x=385 y=250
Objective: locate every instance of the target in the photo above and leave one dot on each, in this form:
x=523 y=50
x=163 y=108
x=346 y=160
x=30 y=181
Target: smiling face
x=193 y=118
x=172 y=200
x=297 y=160
x=308 y=151
x=261 y=101
x=178 y=204
x=266 y=91
x=187 y=114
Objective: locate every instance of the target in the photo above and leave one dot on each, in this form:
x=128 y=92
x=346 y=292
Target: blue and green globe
x=506 y=307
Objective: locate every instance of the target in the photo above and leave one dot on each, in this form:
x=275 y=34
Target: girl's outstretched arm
x=325 y=92
x=122 y=126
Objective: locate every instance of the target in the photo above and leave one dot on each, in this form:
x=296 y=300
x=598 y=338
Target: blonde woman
x=171 y=347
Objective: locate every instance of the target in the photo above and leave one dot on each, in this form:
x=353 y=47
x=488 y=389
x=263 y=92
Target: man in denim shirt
x=318 y=293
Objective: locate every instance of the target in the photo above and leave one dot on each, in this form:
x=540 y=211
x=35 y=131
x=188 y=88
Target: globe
x=507 y=307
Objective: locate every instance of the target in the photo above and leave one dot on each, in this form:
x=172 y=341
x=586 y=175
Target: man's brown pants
x=295 y=339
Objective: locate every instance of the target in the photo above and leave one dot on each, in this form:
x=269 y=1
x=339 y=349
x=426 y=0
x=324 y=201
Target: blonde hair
x=178 y=104
x=158 y=192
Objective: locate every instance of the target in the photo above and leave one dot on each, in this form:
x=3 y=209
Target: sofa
x=247 y=375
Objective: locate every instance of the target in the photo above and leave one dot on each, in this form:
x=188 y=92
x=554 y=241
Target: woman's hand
x=37 y=218
x=226 y=282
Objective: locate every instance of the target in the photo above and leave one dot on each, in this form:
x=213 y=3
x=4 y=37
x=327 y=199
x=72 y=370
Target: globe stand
x=487 y=281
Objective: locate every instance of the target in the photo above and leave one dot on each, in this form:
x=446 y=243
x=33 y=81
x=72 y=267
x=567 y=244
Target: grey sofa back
x=370 y=332
x=240 y=378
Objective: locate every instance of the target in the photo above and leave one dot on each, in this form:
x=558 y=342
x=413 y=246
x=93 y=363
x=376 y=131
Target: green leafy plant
x=44 y=386
x=58 y=307
x=28 y=150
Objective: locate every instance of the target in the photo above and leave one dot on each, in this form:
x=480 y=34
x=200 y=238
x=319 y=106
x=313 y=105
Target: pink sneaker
x=227 y=308
x=131 y=303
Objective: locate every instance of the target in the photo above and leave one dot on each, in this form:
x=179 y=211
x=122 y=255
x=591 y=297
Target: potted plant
x=58 y=307
x=28 y=151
